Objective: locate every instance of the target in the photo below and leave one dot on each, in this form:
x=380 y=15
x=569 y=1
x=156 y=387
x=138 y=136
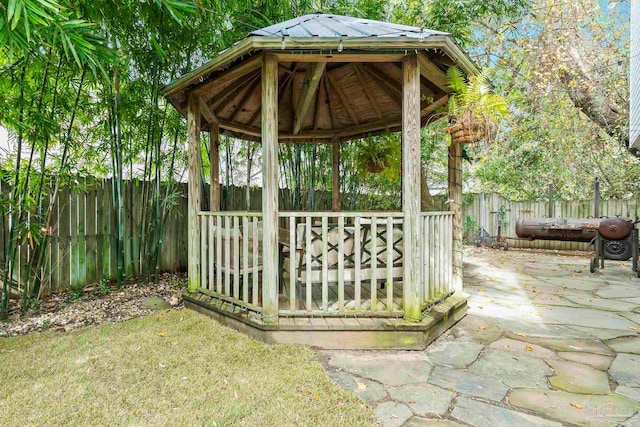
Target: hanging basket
x=470 y=131
x=376 y=167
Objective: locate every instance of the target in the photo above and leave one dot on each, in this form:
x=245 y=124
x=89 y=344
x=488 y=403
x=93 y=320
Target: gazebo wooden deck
x=329 y=279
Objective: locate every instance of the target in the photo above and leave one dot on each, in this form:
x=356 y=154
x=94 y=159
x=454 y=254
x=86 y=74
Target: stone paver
x=454 y=353
x=625 y=344
x=578 y=378
x=393 y=414
x=513 y=369
x=367 y=390
x=523 y=348
x=633 y=421
x=563 y=344
x=431 y=422
x=598 y=361
x=385 y=368
x=465 y=382
x=576 y=408
x=423 y=399
x=630 y=392
x=481 y=414
x=625 y=369
x=544 y=342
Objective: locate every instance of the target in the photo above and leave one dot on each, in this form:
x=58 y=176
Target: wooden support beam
x=343 y=98
x=207 y=113
x=309 y=89
x=433 y=73
x=195 y=167
x=455 y=205
x=270 y=189
x=214 y=166
x=338 y=57
x=411 y=185
x=335 y=162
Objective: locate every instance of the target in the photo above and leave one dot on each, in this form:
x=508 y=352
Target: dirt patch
x=94 y=305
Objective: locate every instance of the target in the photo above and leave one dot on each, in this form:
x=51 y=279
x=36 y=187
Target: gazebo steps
x=346 y=331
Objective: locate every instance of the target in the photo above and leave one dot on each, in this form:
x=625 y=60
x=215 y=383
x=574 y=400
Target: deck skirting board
x=332 y=333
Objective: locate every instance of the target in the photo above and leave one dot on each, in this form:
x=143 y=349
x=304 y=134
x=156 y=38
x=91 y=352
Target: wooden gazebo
x=331 y=279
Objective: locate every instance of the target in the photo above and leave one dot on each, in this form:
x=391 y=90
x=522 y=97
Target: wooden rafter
x=384 y=82
x=312 y=79
x=235 y=73
x=221 y=105
x=332 y=113
x=343 y=98
x=244 y=99
x=316 y=114
x=231 y=90
x=207 y=113
x=441 y=102
x=433 y=73
x=368 y=91
x=283 y=87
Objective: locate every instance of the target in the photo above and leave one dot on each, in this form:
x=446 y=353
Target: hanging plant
x=474 y=111
x=377 y=153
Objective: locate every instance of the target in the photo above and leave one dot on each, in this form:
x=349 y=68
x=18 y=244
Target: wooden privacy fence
x=482 y=211
x=82 y=238
x=83 y=233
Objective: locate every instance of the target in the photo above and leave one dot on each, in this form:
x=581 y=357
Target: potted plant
x=473 y=110
x=377 y=153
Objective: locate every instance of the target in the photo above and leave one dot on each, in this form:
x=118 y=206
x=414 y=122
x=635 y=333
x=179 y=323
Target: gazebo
x=330 y=279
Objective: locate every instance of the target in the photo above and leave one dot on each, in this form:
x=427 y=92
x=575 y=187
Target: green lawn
x=171 y=368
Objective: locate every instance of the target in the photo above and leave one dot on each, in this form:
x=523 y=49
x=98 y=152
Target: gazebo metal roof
x=339 y=77
x=326 y=25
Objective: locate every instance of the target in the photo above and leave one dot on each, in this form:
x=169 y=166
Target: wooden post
x=455 y=203
x=335 y=188
x=270 y=189
x=411 y=185
x=195 y=166
x=214 y=163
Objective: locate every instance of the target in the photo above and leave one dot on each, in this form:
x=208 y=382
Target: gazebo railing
x=329 y=266
x=330 y=263
x=230 y=257
x=436 y=256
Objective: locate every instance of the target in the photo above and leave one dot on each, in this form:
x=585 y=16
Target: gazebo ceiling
x=338 y=77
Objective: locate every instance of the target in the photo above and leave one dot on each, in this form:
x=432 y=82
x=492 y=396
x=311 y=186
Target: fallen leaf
x=411 y=402
x=483 y=328
x=577 y=405
x=482 y=290
x=528 y=348
x=520 y=334
x=317 y=397
x=162 y=334
x=362 y=386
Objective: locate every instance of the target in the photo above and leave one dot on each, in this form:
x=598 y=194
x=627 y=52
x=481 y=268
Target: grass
x=171 y=368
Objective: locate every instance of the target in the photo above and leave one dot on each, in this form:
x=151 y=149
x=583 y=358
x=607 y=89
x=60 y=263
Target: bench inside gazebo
x=328 y=279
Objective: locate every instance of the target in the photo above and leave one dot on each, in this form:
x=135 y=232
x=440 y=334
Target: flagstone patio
x=545 y=343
